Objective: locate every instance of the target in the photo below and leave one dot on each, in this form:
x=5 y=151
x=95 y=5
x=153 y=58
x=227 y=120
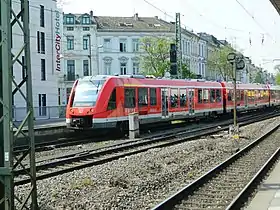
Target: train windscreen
x=86 y=92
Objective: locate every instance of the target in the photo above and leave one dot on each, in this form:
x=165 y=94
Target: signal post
x=237 y=63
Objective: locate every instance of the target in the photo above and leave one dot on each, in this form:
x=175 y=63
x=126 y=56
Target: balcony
x=70 y=77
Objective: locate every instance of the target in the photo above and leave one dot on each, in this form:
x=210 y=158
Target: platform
x=45 y=127
x=268 y=195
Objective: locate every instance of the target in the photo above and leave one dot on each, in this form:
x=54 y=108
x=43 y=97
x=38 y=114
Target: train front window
x=86 y=93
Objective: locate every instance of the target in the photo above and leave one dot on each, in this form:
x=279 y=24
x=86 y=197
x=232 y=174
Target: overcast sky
x=225 y=19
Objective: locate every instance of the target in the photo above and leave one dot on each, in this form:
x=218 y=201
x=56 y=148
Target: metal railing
x=40 y=113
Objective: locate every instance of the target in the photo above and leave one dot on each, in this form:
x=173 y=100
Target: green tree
x=218 y=63
x=186 y=72
x=278 y=78
x=156 y=57
x=259 y=79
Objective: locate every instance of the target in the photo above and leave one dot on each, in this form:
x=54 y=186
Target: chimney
x=91 y=13
x=156 y=17
x=136 y=16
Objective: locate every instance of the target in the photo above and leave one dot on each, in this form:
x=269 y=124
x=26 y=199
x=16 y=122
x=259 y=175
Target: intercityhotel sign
x=57 y=39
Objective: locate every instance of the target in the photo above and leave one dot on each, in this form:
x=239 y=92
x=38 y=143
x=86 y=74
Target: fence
x=40 y=113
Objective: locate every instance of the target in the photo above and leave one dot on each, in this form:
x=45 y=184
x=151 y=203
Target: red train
x=106 y=101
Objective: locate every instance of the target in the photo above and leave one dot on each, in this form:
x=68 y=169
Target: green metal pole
x=6 y=85
x=29 y=103
x=2 y=187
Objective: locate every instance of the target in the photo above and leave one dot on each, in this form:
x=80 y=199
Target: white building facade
x=45 y=20
x=79 y=54
x=116 y=47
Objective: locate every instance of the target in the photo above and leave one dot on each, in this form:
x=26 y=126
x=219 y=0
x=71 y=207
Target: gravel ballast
x=142 y=180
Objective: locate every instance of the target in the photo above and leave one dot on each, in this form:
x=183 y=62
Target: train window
x=230 y=95
x=205 y=96
x=200 y=96
x=212 y=96
x=174 y=98
x=112 y=104
x=238 y=95
x=218 y=96
x=242 y=95
x=142 y=96
x=183 y=98
x=129 y=98
x=153 y=96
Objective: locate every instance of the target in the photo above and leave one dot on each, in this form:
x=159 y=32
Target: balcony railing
x=70 y=77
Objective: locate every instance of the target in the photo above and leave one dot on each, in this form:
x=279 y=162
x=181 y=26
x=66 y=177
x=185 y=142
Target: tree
x=278 y=78
x=186 y=72
x=156 y=57
x=277 y=68
x=218 y=63
x=259 y=78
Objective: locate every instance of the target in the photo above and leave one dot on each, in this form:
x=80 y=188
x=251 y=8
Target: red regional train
x=104 y=101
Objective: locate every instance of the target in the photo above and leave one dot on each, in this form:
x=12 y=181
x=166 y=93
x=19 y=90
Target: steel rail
x=191 y=188
x=81 y=160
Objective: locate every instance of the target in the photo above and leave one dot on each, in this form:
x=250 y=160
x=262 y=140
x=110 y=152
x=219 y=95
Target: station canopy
x=276 y=4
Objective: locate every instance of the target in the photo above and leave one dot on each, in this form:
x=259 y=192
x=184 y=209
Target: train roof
x=275 y=87
x=245 y=86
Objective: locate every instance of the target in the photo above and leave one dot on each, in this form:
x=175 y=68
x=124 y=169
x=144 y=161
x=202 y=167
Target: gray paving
x=268 y=196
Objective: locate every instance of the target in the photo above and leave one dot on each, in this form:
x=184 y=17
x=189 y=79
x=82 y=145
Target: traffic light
x=173 y=69
x=173 y=59
x=173 y=53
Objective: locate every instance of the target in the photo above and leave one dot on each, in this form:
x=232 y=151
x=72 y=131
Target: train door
x=164 y=102
x=191 y=100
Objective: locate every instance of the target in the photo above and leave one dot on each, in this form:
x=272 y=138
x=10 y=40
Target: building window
x=123 y=45
x=203 y=69
x=23 y=69
x=70 y=28
x=70 y=20
x=71 y=70
x=135 y=68
x=85 y=28
x=59 y=96
x=68 y=92
x=85 y=68
x=135 y=43
x=85 y=20
x=85 y=42
x=42 y=105
x=200 y=68
x=43 y=69
x=70 y=42
x=123 y=68
x=107 y=68
x=41 y=42
x=42 y=16
x=107 y=45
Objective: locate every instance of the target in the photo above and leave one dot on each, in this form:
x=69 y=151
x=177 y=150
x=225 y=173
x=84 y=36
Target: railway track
x=87 y=137
x=79 y=160
x=228 y=185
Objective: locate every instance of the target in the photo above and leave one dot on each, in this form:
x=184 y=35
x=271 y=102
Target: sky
x=237 y=21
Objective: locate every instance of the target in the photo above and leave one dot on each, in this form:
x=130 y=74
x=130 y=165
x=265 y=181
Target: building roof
x=135 y=23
